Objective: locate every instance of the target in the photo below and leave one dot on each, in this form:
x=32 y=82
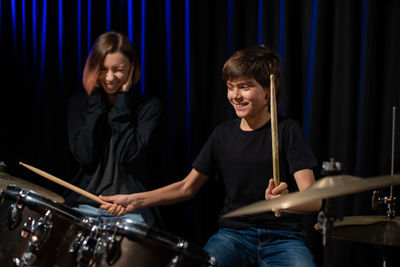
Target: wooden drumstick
x=274 y=134
x=63 y=183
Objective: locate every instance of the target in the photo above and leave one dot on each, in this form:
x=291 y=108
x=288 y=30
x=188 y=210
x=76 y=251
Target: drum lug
x=38 y=231
x=174 y=262
x=181 y=245
x=113 y=246
x=90 y=251
x=212 y=261
x=76 y=243
x=28 y=258
x=14 y=216
x=79 y=238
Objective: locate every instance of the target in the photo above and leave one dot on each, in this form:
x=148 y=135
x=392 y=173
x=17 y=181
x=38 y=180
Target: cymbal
x=327 y=187
x=378 y=230
x=6 y=179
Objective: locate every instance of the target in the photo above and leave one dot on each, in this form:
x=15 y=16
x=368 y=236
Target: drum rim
x=38 y=202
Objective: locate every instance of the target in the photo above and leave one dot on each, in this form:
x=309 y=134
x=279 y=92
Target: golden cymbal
x=378 y=230
x=6 y=179
x=327 y=187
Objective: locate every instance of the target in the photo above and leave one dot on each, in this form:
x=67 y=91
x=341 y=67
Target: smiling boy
x=240 y=152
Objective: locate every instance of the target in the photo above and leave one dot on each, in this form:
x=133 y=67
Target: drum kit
x=38 y=229
x=381 y=230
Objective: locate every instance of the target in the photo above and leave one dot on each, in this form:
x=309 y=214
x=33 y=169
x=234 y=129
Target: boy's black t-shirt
x=243 y=159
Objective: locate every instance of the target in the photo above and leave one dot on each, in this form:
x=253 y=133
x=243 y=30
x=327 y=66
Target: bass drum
x=36 y=231
x=130 y=243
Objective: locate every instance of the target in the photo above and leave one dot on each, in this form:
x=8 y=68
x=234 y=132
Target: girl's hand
x=127 y=85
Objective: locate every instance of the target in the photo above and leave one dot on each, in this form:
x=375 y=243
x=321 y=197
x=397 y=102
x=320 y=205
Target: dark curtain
x=341 y=82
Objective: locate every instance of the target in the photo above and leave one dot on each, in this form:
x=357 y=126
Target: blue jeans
x=239 y=247
x=98 y=214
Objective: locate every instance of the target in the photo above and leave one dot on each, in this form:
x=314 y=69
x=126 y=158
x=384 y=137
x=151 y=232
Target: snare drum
x=129 y=243
x=37 y=231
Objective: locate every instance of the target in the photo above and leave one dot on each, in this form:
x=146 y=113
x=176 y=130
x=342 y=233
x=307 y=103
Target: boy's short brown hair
x=257 y=62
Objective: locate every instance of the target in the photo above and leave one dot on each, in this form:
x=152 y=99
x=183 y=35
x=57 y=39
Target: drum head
x=6 y=179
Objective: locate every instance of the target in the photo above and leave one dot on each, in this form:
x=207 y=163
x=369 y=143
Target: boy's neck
x=247 y=124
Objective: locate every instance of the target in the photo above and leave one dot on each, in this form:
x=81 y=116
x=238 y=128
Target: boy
x=240 y=151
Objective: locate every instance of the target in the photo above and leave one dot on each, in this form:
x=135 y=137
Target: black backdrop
x=341 y=81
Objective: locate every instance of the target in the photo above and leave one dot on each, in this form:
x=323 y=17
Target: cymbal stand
x=326 y=220
x=325 y=217
x=389 y=201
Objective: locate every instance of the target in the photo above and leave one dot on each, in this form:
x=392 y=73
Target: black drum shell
x=143 y=246
x=66 y=224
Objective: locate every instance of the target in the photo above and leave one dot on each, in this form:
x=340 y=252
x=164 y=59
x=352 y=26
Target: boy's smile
x=249 y=100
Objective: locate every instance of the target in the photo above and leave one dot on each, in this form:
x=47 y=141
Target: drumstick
x=274 y=134
x=63 y=183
